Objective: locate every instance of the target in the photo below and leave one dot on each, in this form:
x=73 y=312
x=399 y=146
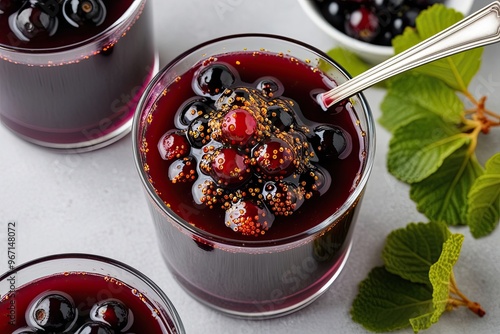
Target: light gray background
x=94 y=202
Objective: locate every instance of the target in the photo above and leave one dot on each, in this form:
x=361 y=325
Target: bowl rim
x=310 y=8
x=374 y=50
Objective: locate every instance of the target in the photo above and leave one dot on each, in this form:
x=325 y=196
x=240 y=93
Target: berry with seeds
x=190 y=111
x=229 y=168
x=173 y=145
x=249 y=218
x=214 y=79
x=328 y=141
x=53 y=312
x=274 y=158
x=280 y=117
x=205 y=192
x=269 y=87
x=282 y=198
x=237 y=97
x=183 y=170
x=32 y=21
x=334 y=12
x=315 y=182
x=199 y=131
x=113 y=313
x=79 y=13
x=362 y=24
x=238 y=127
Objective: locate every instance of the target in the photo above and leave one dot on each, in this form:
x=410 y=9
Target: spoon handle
x=479 y=29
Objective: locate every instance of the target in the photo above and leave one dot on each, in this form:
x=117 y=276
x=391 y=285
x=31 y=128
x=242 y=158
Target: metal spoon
x=479 y=29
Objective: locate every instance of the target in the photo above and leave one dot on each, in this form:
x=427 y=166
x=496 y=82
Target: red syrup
x=85 y=290
x=288 y=266
x=252 y=67
x=79 y=86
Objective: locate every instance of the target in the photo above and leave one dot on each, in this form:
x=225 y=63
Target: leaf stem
x=462 y=299
x=478 y=115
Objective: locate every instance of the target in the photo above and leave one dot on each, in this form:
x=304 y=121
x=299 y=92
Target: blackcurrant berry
x=173 y=145
x=270 y=87
x=190 y=110
x=328 y=141
x=283 y=198
x=199 y=131
x=238 y=127
x=274 y=159
x=212 y=80
x=410 y=16
x=230 y=98
x=334 y=12
x=32 y=21
x=113 y=313
x=249 y=218
x=280 y=117
x=183 y=170
x=94 y=328
x=315 y=181
x=362 y=24
x=54 y=313
x=229 y=168
x=79 y=13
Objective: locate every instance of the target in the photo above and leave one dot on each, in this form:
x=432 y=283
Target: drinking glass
x=120 y=278
x=77 y=95
x=252 y=278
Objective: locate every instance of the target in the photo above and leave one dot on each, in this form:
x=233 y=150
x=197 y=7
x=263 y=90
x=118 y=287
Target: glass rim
x=127 y=15
x=234 y=242
x=170 y=308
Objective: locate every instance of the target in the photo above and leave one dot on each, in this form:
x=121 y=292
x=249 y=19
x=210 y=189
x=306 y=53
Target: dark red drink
x=76 y=87
x=78 y=301
x=290 y=213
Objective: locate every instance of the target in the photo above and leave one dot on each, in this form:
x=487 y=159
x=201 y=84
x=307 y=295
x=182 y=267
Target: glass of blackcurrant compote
x=72 y=71
x=83 y=294
x=254 y=189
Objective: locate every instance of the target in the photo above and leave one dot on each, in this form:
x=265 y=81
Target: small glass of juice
x=253 y=187
x=80 y=293
x=72 y=71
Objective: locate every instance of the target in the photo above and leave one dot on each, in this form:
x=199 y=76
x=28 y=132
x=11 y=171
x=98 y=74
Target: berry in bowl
x=83 y=294
x=367 y=27
x=253 y=187
x=74 y=70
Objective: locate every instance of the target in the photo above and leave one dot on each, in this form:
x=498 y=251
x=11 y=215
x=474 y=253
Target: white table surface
x=94 y=203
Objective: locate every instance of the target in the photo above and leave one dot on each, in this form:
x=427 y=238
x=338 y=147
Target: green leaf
x=483 y=213
x=410 y=252
x=457 y=70
x=386 y=301
x=442 y=196
x=440 y=275
x=419 y=148
x=348 y=60
x=410 y=97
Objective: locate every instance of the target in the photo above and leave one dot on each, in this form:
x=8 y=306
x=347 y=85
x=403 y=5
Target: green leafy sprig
x=435 y=136
x=416 y=285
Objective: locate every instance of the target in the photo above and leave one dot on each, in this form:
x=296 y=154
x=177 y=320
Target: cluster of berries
x=373 y=21
x=55 y=312
x=30 y=19
x=245 y=150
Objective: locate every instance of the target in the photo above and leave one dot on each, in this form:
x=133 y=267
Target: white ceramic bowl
x=369 y=52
